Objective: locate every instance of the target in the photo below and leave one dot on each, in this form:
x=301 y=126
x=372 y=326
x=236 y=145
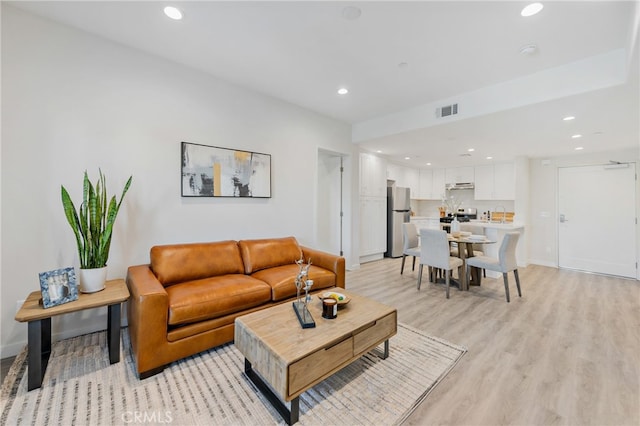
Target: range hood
x=460 y=185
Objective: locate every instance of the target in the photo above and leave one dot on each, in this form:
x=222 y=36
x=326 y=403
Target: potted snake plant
x=92 y=226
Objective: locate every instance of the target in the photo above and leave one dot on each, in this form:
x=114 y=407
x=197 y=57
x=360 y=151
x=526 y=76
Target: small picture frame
x=58 y=287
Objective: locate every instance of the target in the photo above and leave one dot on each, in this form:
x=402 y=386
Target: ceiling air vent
x=447 y=110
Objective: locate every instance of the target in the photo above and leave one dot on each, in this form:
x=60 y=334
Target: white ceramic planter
x=92 y=280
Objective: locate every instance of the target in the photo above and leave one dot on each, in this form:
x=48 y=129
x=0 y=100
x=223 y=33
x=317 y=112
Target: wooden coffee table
x=278 y=351
x=39 y=319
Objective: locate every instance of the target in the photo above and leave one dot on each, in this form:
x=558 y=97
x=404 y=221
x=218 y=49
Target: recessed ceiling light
x=569 y=118
x=407 y=158
x=531 y=9
x=351 y=13
x=471 y=150
x=428 y=164
x=173 y=12
x=489 y=158
x=528 y=49
x=576 y=136
x=379 y=152
x=579 y=148
x=342 y=91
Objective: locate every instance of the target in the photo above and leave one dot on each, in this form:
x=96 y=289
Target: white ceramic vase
x=92 y=280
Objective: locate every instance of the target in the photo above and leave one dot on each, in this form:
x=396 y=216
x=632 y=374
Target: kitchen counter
x=497 y=225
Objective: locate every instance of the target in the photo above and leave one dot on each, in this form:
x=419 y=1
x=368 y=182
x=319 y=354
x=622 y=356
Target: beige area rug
x=81 y=387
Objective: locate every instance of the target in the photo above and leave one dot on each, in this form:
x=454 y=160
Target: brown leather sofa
x=186 y=300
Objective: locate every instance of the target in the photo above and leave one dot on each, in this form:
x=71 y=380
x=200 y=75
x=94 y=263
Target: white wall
x=72 y=101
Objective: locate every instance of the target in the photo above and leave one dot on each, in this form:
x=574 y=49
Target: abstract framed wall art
x=210 y=171
x=58 y=287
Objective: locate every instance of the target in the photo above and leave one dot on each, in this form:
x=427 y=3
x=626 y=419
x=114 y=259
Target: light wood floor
x=566 y=353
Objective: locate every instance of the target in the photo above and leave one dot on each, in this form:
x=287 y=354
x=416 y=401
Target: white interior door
x=329 y=203
x=597 y=219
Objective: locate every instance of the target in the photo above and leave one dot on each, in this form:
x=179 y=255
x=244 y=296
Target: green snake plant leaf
x=93 y=223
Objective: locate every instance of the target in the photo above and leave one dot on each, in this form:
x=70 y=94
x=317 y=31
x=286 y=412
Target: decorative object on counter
x=92 y=225
x=502 y=217
x=210 y=171
x=58 y=287
x=455 y=227
x=300 y=306
x=442 y=210
x=451 y=204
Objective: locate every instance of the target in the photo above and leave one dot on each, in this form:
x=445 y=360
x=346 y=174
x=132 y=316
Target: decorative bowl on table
x=465 y=234
x=476 y=237
x=339 y=297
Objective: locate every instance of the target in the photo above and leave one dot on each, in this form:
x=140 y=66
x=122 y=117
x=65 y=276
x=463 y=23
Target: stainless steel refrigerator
x=398 y=212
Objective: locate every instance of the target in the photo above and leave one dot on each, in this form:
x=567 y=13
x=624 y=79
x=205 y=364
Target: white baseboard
x=543 y=263
x=371 y=257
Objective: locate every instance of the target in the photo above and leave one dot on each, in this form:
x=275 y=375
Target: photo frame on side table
x=210 y=171
x=58 y=286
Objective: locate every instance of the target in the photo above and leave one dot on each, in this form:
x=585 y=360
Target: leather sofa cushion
x=268 y=253
x=282 y=279
x=215 y=297
x=178 y=263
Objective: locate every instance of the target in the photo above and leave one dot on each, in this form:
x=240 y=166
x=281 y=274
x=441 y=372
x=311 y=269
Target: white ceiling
x=303 y=51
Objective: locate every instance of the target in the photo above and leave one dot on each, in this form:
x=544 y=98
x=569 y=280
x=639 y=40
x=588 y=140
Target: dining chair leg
x=413 y=266
x=419 y=276
x=506 y=285
x=462 y=273
x=515 y=272
x=447 y=278
x=468 y=273
x=402 y=266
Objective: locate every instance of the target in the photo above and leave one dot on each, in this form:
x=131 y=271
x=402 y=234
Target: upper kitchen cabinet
x=406 y=177
x=495 y=182
x=373 y=175
x=412 y=180
x=439 y=183
x=459 y=175
x=432 y=184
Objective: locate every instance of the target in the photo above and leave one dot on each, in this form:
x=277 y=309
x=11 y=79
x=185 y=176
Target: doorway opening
x=331 y=206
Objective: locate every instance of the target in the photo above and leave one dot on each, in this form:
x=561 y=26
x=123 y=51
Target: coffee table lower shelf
x=290 y=414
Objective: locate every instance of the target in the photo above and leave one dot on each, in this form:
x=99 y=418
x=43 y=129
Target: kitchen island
x=495 y=231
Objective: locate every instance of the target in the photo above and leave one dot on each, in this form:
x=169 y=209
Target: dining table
x=465 y=250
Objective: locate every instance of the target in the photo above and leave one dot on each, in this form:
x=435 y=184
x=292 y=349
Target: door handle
x=563 y=219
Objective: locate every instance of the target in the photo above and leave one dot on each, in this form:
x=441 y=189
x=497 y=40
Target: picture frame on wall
x=210 y=171
x=58 y=286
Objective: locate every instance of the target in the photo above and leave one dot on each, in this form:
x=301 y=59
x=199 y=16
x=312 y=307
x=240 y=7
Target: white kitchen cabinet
x=373 y=225
x=412 y=180
x=431 y=184
x=404 y=177
x=438 y=185
x=495 y=182
x=395 y=173
x=425 y=184
x=373 y=175
x=459 y=174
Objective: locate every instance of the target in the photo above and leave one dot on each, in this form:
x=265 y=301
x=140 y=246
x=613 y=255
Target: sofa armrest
x=147 y=314
x=327 y=261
